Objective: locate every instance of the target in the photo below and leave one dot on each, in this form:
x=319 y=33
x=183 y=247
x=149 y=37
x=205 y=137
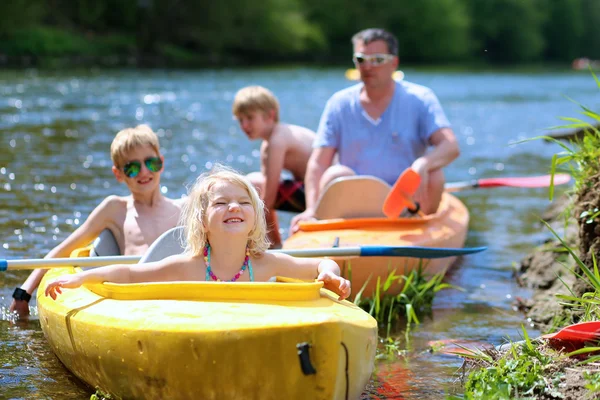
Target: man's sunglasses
x=374 y=60
x=133 y=168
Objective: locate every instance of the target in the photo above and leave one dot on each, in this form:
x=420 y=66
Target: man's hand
x=420 y=167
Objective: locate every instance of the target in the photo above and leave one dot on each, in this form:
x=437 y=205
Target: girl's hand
x=335 y=283
x=54 y=287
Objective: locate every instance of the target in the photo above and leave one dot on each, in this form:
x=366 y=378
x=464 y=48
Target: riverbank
x=563 y=274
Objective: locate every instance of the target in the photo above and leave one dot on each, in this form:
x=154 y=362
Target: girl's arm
x=324 y=270
x=164 y=270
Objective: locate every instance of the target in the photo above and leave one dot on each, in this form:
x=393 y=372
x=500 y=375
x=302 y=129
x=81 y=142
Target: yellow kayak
x=211 y=340
x=349 y=214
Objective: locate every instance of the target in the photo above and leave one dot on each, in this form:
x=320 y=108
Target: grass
x=530 y=369
x=519 y=373
x=414 y=300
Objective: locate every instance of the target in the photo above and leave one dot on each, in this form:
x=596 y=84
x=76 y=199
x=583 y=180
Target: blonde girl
x=226 y=240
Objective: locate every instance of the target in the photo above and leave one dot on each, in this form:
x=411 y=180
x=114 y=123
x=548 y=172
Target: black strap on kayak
x=304 y=356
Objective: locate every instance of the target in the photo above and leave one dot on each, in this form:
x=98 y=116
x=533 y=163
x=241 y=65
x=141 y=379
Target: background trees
x=227 y=32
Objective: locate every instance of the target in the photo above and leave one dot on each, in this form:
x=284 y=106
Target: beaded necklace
x=213 y=276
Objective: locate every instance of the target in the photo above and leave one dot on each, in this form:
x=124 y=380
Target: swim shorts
x=290 y=196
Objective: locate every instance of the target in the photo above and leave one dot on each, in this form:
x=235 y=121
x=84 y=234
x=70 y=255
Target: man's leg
x=333 y=172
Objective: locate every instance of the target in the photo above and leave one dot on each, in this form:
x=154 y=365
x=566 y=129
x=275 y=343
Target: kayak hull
x=447 y=228
x=206 y=340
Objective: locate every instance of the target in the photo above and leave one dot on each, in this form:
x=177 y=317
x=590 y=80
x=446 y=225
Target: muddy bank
x=547 y=269
x=550 y=270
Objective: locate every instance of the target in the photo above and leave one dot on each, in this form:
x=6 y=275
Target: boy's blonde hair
x=193 y=213
x=252 y=98
x=128 y=139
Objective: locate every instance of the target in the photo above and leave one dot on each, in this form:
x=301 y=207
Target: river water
x=55 y=133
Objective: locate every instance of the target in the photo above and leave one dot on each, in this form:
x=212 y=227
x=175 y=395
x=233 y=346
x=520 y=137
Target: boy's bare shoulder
x=114 y=202
x=287 y=134
x=301 y=130
x=178 y=202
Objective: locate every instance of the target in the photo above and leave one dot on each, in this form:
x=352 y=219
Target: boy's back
x=295 y=143
x=284 y=147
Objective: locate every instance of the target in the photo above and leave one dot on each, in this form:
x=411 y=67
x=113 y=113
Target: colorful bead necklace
x=213 y=276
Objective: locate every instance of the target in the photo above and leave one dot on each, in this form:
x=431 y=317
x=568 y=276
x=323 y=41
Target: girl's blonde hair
x=193 y=213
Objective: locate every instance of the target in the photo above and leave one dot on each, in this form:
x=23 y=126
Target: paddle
x=570 y=337
x=400 y=196
x=353 y=74
x=581 y=332
x=522 y=182
x=362 y=251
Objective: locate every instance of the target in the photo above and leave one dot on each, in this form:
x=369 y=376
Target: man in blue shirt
x=380 y=127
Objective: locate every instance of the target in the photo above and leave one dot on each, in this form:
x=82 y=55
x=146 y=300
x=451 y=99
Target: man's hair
x=128 y=139
x=252 y=98
x=193 y=213
x=373 y=34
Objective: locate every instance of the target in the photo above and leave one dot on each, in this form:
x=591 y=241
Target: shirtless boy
x=135 y=220
x=284 y=146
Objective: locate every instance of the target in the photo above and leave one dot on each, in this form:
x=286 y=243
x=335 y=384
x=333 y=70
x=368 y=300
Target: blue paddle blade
x=417 y=252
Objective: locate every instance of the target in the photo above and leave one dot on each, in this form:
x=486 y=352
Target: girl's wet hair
x=193 y=214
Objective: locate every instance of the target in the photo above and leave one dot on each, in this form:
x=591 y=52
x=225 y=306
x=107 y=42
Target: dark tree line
x=251 y=31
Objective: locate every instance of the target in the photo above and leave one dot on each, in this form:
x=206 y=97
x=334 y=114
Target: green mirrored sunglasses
x=133 y=168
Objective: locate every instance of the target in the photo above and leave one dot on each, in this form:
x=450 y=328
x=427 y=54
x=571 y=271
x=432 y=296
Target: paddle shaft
x=523 y=182
x=364 y=251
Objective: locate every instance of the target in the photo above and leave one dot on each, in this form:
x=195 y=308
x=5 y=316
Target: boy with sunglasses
x=284 y=146
x=135 y=220
x=381 y=127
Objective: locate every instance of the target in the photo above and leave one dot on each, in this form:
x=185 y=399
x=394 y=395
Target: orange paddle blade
x=400 y=196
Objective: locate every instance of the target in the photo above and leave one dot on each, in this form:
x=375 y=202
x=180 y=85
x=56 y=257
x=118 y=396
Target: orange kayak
x=446 y=228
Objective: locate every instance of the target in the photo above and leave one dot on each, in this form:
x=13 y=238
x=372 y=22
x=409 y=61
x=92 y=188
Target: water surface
x=55 y=134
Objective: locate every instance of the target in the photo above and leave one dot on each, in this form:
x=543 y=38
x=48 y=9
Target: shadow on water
x=55 y=133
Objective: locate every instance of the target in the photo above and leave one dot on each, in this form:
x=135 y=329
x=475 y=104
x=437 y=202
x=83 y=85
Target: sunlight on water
x=57 y=128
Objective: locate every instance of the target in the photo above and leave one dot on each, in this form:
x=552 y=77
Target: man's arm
x=445 y=150
x=88 y=231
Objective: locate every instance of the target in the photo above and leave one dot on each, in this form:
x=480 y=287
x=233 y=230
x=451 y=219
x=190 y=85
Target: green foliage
x=583 y=156
x=18 y=14
x=47 y=41
x=590 y=21
x=44 y=41
x=519 y=373
x=414 y=300
x=431 y=30
x=100 y=395
x=251 y=31
x=563 y=29
x=593 y=381
x=507 y=30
